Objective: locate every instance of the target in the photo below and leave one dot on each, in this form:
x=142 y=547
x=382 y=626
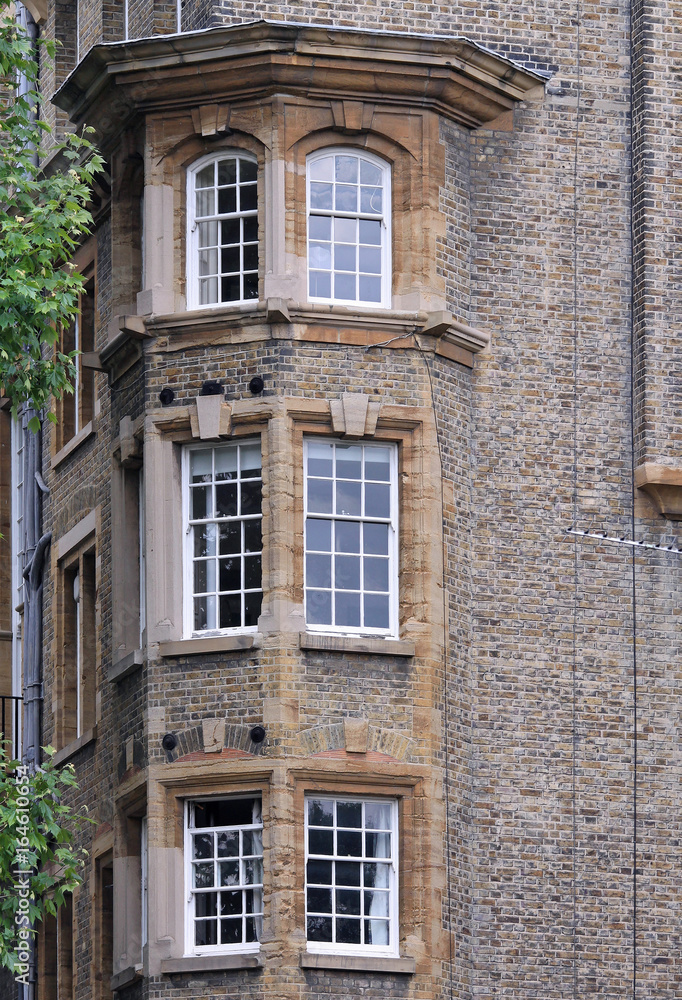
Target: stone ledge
x=126 y=666
x=214 y=644
x=356 y=644
x=125 y=978
x=72 y=748
x=76 y=441
x=358 y=963
x=211 y=963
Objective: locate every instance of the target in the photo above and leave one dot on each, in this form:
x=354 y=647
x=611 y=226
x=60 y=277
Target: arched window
x=222 y=244
x=349 y=213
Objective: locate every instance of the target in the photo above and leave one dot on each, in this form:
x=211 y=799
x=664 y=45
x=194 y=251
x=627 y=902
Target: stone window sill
x=76 y=441
x=127 y=665
x=214 y=644
x=368 y=645
x=72 y=748
x=358 y=963
x=211 y=963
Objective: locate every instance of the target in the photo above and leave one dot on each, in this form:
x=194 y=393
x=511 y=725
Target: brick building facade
x=381 y=301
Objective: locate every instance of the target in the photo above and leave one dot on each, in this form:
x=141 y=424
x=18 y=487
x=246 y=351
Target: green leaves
x=38 y=860
x=44 y=217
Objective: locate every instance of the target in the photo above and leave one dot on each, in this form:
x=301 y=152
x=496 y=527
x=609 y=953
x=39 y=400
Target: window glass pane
x=206 y=904
x=320 y=227
x=205 y=202
x=370 y=232
x=348 y=461
x=321 y=196
x=375 y=574
x=347 y=572
x=320 y=496
x=319 y=535
x=369 y=289
x=376 y=875
x=208 y=291
x=205 y=932
x=204 y=613
x=320 y=459
x=229 y=873
x=378 y=464
x=230 y=232
x=370 y=261
x=322 y=169
x=250 y=227
x=320 y=255
x=251 y=286
x=227 y=200
x=348 y=901
x=346 y=169
x=345 y=230
x=344 y=286
x=251 y=258
x=370 y=173
x=231 y=931
x=247 y=170
x=320 y=812
x=349 y=843
x=349 y=814
x=345 y=198
x=208 y=262
x=319 y=607
x=253 y=872
x=377 y=500
x=203 y=875
x=230 y=260
x=230 y=611
x=252 y=535
x=320 y=841
x=201 y=466
x=318 y=571
x=226 y=499
x=320 y=872
x=347 y=536
x=227 y=171
x=225 y=463
x=376 y=932
x=230 y=538
x=319 y=928
x=230 y=903
x=252 y=608
x=205 y=177
x=375 y=539
x=202 y=845
x=376 y=611
x=230 y=574
x=378 y=845
x=344 y=257
x=347 y=607
x=348 y=873
x=320 y=900
x=248 y=198
x=204 y=576
x=201 y=502
x=347 y=931
x=251 y=497
x=250 y=462
x=320 y=285
x=376 y=904
x=208 y=234
x=230 y=289
x=252 y=572
x=348 y=497
x=371 y=200
x=378 y=815
x=204 y=540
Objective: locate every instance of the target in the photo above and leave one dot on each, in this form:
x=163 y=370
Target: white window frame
x=329 y=948
x=190 y=895
x=384 y=218
x=188 y=574
x=192 y=242
x=393 y=536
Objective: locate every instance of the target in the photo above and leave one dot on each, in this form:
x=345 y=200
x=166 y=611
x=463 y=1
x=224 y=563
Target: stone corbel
x=211 y=119
x=354 y=415
x=663 y=486
x=130 y=447
x=211 y=418
x=446 y=328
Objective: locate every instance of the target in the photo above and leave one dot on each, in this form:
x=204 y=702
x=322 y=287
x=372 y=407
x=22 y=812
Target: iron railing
x=10 y=721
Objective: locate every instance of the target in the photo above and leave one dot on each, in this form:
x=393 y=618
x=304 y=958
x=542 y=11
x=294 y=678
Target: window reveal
x=348 y=235
x=350 y=536
x=224 y=536
x=224 y=849
x=351 y=868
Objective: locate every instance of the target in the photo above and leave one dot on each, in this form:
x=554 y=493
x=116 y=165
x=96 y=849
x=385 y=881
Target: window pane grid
x=350 y=512
x=346 y=228
x=226 y=881
x=225 y=536
x=349 y=873
x=226 y=222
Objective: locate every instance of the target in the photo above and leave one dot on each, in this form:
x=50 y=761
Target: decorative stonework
x=663 y=485
x=351 y=736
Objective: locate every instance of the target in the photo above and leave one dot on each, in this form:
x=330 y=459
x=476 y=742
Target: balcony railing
x=10 y=721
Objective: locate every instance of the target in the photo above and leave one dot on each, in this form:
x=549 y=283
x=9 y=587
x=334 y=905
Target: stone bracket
x=663 y=486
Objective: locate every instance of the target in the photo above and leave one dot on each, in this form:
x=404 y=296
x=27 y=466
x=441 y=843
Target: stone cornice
x=456 y=77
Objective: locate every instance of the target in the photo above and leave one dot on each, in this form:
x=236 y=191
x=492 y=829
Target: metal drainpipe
x=35 y=549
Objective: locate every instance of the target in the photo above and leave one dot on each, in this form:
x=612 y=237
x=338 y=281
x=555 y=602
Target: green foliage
x=43 y=219
x=38 y=859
